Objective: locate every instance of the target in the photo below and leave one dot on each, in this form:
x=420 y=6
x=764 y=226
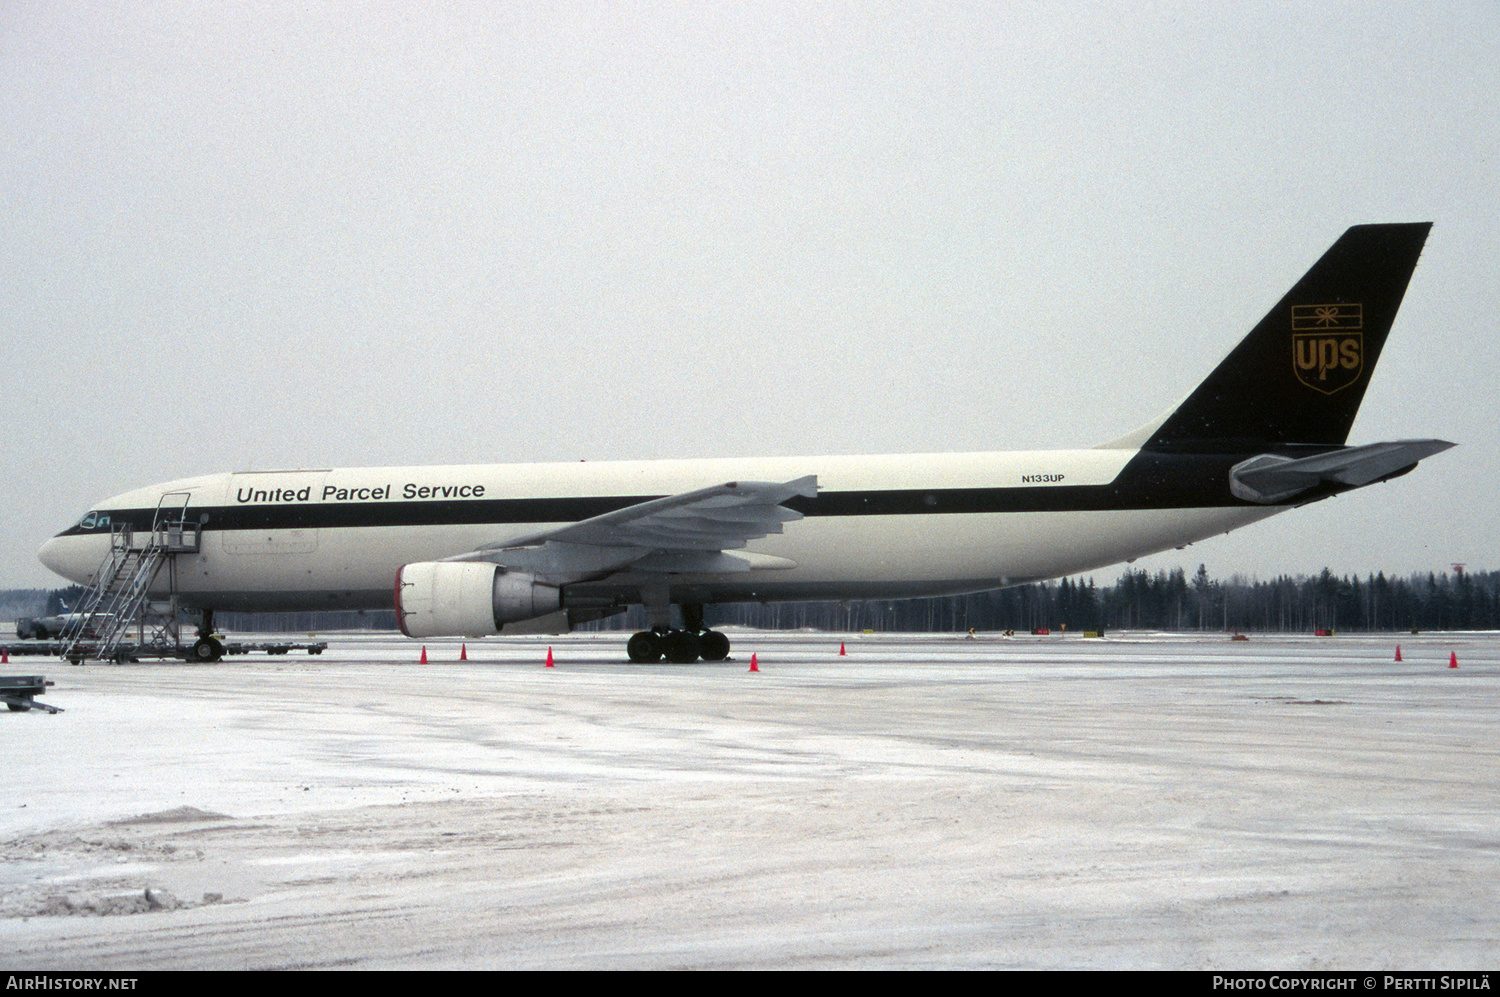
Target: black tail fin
x=1301 y=373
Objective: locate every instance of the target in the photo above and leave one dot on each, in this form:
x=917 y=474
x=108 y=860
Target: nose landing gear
x=206 y=648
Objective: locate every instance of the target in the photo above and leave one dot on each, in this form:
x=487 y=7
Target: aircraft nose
x=65 y=556
x=51 y=555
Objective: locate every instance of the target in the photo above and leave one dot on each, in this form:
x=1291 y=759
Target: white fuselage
x=336 y=538
x=1265 y=429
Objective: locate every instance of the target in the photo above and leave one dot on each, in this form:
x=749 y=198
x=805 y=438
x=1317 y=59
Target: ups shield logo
x=1328 y=345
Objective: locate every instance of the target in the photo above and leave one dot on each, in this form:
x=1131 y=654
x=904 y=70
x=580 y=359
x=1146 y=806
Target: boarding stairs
x=116 y=617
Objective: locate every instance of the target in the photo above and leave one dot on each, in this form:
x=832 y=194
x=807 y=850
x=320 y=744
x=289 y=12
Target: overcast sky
x=254 y=236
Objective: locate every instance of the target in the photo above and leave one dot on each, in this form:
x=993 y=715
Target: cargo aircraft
x=492 y=549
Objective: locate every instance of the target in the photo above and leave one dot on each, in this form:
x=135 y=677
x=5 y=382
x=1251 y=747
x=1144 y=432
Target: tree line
x=1165 y=600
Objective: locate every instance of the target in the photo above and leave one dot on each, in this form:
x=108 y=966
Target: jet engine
x=467 y=598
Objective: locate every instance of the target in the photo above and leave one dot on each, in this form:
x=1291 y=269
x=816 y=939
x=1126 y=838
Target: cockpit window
x=94 y=521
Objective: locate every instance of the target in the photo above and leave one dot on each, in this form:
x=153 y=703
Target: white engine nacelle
x=467 y=598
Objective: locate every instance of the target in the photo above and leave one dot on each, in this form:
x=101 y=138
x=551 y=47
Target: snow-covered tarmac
x=1143 y=800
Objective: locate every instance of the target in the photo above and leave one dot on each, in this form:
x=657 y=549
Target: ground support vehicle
x=18 y=693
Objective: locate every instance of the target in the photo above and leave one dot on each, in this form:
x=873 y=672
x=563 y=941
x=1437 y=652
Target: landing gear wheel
x=682 y=648
x=713 y=645
x=644 y=648
x=206 y=649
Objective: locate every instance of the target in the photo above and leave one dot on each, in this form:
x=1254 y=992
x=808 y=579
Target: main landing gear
x=682 y=647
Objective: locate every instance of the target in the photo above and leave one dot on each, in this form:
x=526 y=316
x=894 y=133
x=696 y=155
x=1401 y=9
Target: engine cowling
x=467 y=598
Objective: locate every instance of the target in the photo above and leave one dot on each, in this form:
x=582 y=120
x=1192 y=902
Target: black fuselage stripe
x=1149 y=481
x=521 y=512
x=529 y=511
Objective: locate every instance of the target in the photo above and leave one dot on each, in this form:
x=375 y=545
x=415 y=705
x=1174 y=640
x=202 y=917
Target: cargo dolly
x=120 y=653
x=18 y=692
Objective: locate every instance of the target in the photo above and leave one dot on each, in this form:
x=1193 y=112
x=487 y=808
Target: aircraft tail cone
x=1398 y=652
x=424 y=655
x=463 y=651
x=754 y=664
x=549 y=658
x=841 y=649
x=1452 y=659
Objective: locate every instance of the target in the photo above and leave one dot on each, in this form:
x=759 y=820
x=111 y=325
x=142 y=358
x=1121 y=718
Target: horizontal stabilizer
x=1271 y=480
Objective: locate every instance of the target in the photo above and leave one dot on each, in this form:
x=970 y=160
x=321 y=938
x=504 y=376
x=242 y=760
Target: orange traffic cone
x=549 y=658
x=841 y=649
x=1452 y=659
x=424 y=654
x=1398 y=652
x=4 y=655
x=754 y=666
x=463 y=652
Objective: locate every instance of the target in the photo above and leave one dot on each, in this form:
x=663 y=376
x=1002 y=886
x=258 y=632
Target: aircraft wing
x=689 y=532
x=1272 y=480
